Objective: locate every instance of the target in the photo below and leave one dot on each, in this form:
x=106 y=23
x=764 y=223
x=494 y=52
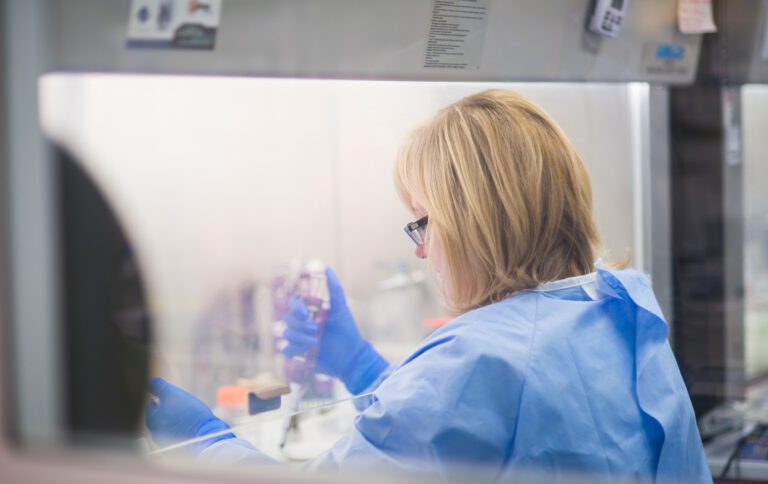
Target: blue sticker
x=670 y=51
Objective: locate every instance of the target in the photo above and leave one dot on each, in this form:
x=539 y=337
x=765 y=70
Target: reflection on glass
x=754 y=121
x=228 y=187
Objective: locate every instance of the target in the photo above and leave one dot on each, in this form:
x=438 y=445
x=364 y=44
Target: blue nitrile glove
x=180 y=416
x=343 y=352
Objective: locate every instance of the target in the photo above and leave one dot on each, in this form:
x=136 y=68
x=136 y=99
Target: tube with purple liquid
x=300 y=370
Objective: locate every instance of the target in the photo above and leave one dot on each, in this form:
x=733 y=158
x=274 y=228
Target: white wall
x=219 y=180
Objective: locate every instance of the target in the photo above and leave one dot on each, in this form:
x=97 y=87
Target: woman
x=552 y=365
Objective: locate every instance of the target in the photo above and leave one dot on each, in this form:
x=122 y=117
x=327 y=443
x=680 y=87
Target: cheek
x=436 y=257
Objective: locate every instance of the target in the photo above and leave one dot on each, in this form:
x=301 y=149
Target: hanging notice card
x=764 y=50
x=695 y=16
x=456 y=34
x=174 y=24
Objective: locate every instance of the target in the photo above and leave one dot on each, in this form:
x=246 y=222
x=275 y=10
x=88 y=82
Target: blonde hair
x=509 y=200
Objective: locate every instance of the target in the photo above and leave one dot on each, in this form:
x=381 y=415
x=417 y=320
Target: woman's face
x=435 y=252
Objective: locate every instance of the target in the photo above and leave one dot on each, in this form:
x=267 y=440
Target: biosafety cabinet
x=170 y=166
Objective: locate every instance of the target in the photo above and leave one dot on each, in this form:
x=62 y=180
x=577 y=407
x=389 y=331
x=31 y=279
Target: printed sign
x=174 y=24
x=456 y=34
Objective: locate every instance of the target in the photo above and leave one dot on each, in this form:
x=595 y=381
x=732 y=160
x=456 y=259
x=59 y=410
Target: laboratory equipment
x=312 y=288
x=88 y=38
x=608 y=16
x=226 y=341
x=264 y=398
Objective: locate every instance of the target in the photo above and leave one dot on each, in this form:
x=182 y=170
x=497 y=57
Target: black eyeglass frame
x=415 y=230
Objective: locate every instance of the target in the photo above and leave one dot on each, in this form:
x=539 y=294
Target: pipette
x=300 y=370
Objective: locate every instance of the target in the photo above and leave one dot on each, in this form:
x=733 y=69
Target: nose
x=421 y=252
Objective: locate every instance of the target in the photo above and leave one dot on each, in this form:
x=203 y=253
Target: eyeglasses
x=417 y=230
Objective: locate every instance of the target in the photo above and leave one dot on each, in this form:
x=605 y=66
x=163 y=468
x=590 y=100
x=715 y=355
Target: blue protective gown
x=574 y=378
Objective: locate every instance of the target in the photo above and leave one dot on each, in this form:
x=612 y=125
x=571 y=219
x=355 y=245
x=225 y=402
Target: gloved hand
x=181 y=416
x=343 y=352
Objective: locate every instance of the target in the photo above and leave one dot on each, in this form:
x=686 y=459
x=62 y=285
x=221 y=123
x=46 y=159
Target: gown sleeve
x=453 y=402
x=365 y=401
